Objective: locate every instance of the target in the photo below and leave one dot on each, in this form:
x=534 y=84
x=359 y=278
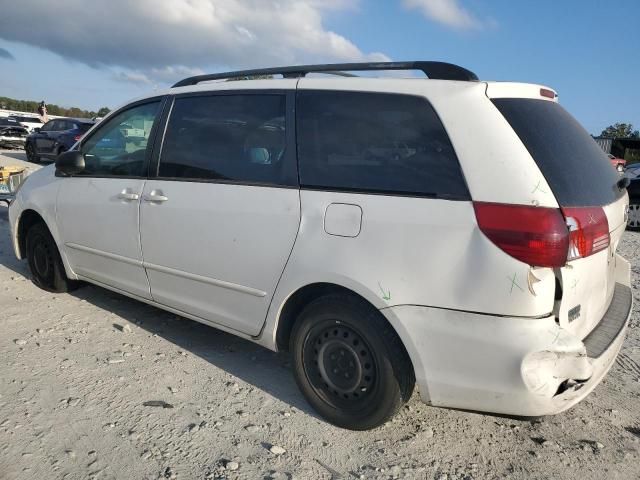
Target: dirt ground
x=76 y=371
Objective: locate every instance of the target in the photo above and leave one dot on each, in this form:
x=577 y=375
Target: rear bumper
x=506 y=365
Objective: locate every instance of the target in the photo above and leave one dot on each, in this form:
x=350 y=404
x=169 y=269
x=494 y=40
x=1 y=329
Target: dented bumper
x=509 y=365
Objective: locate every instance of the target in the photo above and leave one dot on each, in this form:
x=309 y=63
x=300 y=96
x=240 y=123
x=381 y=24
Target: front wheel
x=47 y=270
x=31 y=153
x=349 y=363
x=633 y=222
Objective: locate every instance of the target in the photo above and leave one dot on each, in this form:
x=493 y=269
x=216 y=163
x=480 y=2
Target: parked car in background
x=30 y=123
x=633 y=220
x=618 y=163
x=632 y=170
x=358 y=223
x=12 y=134
x=54 y=137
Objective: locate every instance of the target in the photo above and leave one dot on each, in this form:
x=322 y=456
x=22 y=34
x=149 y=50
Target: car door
x=220 y=219
x=98 y=209
x=43 y=137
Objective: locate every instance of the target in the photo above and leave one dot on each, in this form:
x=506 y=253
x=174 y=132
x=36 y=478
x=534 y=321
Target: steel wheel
x=44 y=261
x=339 y=364
x=349 y=363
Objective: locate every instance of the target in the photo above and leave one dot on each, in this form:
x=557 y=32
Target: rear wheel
x=47 y=270
x=349 y=363
x=633 y=222
x=31 y=153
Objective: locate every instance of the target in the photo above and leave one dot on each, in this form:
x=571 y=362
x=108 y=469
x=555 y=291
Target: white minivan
x=444 y=231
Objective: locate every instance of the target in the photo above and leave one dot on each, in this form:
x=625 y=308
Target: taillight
x=77 y=137
x=537 y=236
x=588 y=231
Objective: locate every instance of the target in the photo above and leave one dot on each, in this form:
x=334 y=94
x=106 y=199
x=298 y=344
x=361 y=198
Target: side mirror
x=70 y=163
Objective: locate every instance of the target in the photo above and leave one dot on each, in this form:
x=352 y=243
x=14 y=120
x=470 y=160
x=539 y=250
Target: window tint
x=47 y=127
x=575 y=167
x=83 y=127
x=119 y=147
x=10 y=122
x=235 y=137
x=375 y=142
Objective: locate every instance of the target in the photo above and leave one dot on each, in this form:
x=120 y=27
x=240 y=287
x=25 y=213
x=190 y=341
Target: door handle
x=124 y=195
x=155 y=196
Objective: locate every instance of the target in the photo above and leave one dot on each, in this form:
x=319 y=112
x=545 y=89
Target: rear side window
x=230 y=138
x=575 y=167
x=375 y=142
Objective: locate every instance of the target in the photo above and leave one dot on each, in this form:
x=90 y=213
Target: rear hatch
x=586 y=188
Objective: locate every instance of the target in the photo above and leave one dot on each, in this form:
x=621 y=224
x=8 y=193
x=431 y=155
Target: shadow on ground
x=262 y=368
x=17 y=154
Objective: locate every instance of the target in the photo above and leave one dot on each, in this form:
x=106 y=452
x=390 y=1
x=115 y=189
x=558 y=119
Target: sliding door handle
x=124 y=195
x=155 y=196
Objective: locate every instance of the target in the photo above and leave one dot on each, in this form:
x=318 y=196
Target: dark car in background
x=55 y=136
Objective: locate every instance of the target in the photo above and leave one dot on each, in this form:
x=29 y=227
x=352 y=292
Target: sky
x=99 y=53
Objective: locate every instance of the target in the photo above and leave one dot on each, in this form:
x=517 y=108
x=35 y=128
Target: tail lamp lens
x=588 y=231
x=544 y=237
x=537 y=236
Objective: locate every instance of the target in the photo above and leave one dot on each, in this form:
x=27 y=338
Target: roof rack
x=433 y=70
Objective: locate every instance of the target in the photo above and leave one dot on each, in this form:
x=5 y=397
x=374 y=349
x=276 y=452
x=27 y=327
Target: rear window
x=575 y=167
x=377 y=143
x=83 y=127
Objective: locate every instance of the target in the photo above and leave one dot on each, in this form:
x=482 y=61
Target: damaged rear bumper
x=508 y=365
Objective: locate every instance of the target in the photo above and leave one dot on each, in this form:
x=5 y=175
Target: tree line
x=31 y=106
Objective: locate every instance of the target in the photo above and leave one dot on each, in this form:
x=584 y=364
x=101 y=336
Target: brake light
x=588 y=231
x=545 y=92
x=77 y=137
x=537 y=236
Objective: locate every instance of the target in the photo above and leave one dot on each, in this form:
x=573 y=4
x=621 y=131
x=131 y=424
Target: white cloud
x=161 y=40
x=447 y=12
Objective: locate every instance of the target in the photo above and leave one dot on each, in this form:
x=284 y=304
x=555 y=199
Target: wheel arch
x=28 y=218
x=300 y=298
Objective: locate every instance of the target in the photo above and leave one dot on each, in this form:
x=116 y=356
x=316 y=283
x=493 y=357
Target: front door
x=98 y=210
x=219 y=221
x=45 y=138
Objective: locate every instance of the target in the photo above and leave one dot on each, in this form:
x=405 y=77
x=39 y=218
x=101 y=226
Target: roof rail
x=433 y=70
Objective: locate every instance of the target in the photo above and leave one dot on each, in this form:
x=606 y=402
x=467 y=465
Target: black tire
x=31 y=153
x=633 y=221
x=47 y=270
x=349 y=363
x=60 y=150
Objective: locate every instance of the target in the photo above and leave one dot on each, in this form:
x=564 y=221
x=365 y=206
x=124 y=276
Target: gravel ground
x=95 y=385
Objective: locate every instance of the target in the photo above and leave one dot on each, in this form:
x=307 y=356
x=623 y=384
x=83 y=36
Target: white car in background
x=30 y=123
x=385 y=231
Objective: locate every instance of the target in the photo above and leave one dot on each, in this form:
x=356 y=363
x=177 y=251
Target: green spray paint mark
x=385 y=295
x=514 y=283
x=538 y=188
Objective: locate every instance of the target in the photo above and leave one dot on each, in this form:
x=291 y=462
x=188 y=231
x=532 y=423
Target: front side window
x=236 y=138
x=377 y=143
x=48 y=127
x=119 y=147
